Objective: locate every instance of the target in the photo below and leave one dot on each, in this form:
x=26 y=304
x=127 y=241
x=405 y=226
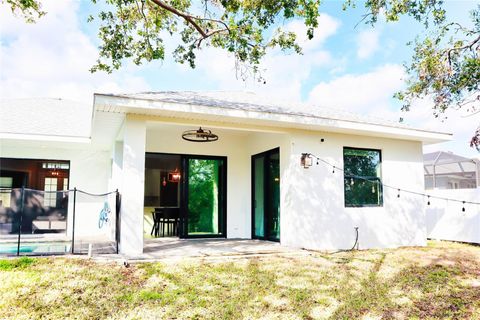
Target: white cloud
x=367 y=43
x=52 y=57
x=327 y=26
x=359 y=93
x=284 y=73
x=371 y=94
x=461 y=123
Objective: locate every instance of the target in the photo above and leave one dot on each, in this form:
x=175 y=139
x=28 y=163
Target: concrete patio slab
x=163 y=249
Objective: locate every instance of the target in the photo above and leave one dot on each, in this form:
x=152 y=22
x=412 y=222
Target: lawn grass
x=441 y=281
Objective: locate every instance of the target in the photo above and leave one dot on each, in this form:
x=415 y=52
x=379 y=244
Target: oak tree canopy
x=445 y=65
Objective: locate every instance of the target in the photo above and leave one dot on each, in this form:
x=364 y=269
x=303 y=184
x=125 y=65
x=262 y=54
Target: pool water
x=35 y=248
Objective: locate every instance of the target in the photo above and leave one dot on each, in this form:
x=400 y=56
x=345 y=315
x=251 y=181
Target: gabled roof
x=248 y=107
x=251 y=102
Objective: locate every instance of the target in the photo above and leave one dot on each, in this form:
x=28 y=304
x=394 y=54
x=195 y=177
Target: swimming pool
x=35 y=248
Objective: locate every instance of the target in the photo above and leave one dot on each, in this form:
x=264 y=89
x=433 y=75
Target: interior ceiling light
x=200 y=135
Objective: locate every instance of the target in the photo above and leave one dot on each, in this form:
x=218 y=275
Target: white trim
x=38 y=137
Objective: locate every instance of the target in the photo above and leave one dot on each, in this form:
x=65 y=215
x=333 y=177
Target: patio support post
x=73 y=219
x=20 y=220
x=133 y=176
x=117 y=219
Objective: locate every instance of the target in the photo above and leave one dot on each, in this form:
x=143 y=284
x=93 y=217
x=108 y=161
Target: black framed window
x=362 y=177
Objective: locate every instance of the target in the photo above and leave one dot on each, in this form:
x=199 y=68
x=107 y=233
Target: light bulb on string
x=307 y=160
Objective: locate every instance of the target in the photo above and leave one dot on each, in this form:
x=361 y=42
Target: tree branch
x=192 y=20
x=467 y=46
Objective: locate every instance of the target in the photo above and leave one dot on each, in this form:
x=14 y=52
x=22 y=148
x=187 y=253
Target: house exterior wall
x=312 y=208
x=450 y=182
x=313 y=214
x=313 y=211
x=445 y=219
x=89 y=171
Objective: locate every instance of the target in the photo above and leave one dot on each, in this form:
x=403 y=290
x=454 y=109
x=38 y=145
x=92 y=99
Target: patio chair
x=157 y=217
x=169 y=221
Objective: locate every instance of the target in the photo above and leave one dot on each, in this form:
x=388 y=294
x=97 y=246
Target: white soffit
x=246 y=108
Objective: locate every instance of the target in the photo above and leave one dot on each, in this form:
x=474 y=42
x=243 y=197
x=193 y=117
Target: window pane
x=6 y=184
x=362 y=177
x=50 y=198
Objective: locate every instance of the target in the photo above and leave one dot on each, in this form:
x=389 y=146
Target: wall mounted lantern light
x=306 y=160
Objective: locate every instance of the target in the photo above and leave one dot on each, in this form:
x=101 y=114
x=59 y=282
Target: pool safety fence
x=43 y=222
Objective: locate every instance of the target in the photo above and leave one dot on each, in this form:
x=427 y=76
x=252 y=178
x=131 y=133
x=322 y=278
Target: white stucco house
x=247 y=182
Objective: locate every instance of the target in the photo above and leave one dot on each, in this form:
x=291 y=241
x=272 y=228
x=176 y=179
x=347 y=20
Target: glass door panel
x=274 y=196
x=205 y=196
x=266 y=195
x=259 y=196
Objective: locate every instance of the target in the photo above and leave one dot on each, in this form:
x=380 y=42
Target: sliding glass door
x=266 y=195
x=204 y=194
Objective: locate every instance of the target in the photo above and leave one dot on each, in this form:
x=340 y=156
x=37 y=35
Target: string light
x=352 y=182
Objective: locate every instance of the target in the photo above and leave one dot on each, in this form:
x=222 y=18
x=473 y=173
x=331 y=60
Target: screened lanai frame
x=446 y=170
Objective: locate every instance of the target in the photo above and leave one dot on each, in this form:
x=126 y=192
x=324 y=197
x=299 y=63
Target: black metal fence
x=37 y=222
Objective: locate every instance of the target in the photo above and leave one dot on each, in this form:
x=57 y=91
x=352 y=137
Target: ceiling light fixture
x=199 y=135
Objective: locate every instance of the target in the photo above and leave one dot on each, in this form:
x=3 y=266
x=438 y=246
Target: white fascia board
x=110 y=103
x=37 y=137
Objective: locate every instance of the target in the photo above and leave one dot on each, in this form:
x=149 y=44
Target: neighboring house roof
x=45 y=119
x=241 y=107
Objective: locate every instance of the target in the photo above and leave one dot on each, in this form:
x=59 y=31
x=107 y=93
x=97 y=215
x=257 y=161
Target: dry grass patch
x=436 y=282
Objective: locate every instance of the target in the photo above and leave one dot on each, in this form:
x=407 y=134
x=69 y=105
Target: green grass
x=441 y=281
x=20 y=263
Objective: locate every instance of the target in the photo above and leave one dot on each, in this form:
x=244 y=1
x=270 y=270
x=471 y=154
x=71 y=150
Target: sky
x=348 y=65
